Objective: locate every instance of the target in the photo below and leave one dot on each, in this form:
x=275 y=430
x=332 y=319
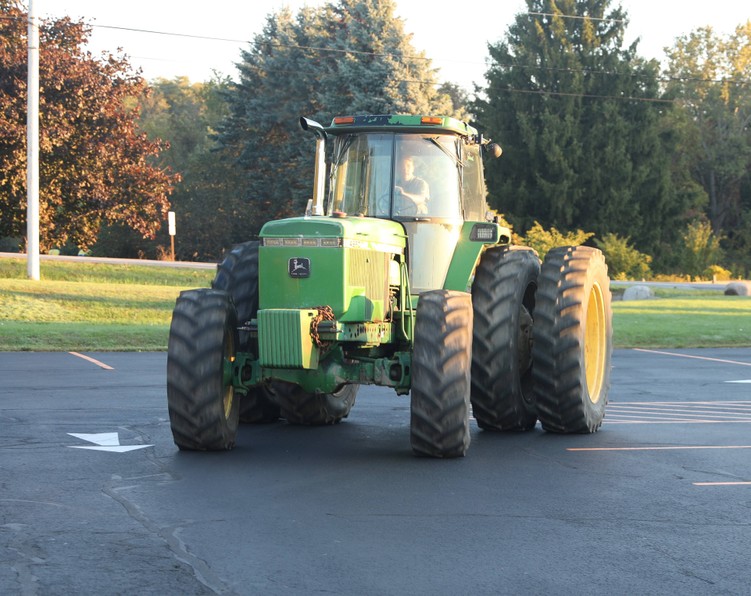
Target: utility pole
x=32 y=148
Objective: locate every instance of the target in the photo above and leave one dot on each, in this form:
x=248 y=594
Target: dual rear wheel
x=538 y=340
x=542 y=340
x=573 y=340
x=503 y=298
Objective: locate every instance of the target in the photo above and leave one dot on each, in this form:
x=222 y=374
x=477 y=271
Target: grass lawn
x=686 y=319
x=83 y=306
x=90 y=306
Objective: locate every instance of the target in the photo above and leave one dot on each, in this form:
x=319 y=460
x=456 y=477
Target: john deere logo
x=298 y=267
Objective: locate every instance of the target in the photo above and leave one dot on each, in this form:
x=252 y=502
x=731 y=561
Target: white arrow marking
x=98 y=438
x=104 y=442
x=743 y=381
x=114 y=449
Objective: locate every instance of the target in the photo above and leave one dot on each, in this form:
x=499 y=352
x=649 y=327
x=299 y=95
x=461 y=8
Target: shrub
x=718 y=273
x=543 y=240
x=624 y=261
x=9 y=244
x=701 y=249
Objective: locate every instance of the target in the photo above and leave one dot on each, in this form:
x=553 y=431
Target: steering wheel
x=382 y=205
x=404 y=205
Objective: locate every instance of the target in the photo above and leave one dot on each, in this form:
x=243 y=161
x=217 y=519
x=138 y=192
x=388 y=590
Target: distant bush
x=701 y=249
x=673 y=277
x=718 y=273
x=543 y=240
x=624 y=261
x=9 y=244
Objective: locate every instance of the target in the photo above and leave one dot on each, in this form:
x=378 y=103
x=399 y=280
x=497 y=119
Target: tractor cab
x=424 y=172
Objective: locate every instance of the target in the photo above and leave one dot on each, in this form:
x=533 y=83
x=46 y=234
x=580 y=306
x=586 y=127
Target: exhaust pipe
x=320 y=169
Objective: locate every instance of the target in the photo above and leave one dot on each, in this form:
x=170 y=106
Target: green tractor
x=397 y=275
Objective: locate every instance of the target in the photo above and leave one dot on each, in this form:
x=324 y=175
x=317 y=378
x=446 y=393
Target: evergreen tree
x=580 y=121
x=347 y=57
x=374 y=69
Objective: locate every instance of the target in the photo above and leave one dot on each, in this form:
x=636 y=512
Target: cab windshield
x=397 y=176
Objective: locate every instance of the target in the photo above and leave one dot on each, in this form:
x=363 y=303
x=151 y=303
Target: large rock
x=638 y=293
x=738 y=288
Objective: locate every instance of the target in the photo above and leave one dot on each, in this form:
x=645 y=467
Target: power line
x=276 y=44
x=169 y=33
x=503 y=89
x=415 y=57
x=617 y=74
x=588 y=95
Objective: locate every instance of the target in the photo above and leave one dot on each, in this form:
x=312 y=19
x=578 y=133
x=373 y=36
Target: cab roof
x=399 y=123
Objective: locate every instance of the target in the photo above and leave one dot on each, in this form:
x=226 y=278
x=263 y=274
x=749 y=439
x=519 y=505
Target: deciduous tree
x=95 y=165
x=205 y=201
x=710 y=78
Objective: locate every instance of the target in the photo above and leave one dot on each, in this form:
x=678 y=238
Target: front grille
x=369 y=269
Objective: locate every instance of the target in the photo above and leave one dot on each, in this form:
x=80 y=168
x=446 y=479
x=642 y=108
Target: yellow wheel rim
x=595 y=343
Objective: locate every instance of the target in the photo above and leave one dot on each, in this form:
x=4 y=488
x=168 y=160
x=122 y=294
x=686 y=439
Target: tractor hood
x=346 y=263
x=336 y=232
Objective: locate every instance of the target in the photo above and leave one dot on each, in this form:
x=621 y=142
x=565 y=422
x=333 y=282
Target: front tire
x=441 y=362
x=203 y=407
x=503 y=299
x=573 y=340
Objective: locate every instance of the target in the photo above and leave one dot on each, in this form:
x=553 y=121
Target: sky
x=455 y=43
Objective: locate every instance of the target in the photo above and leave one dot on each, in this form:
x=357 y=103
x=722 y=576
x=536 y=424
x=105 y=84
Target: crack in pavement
x=169 y=535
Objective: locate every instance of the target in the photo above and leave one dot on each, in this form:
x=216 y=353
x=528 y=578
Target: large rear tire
x=573 y=340
x=314 y=409
x=503 y=299
x=441 y=363
x=203 y=407
x=238 y=275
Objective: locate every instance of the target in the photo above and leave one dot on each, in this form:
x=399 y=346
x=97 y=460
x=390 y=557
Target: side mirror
x=494 y=150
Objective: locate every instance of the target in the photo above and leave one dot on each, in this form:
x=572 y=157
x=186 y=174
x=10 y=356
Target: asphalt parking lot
x=96 y=499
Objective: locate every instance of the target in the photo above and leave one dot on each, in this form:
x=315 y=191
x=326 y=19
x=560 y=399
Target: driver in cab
x=413 y=192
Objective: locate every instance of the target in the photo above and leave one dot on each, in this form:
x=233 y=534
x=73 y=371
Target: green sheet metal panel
x=329 y=261
x=284 y=339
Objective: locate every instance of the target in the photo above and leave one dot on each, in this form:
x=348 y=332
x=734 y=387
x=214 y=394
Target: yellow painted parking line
x=92 y=360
